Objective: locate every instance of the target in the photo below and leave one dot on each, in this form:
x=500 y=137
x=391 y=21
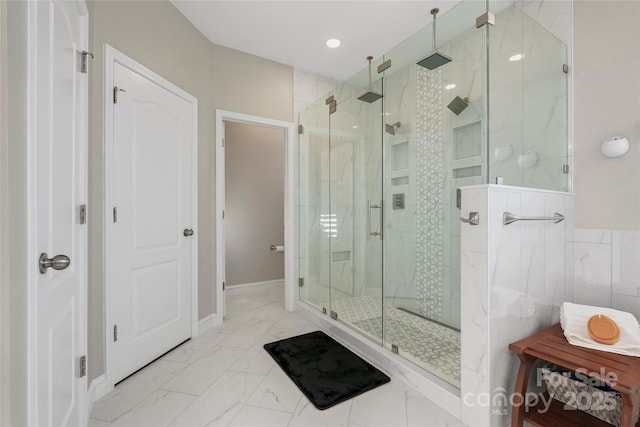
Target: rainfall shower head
x=370 y=96
x=435 y=59
x=392 y=128
x=458 y=105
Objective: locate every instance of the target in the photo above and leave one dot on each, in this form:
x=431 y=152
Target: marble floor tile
x=288 y=326
x=383 y=406
x=277 y=392
x=221 y=401
x=157 y=410
x=306 y=415
x=224 y=377
x=248 y=334
x=251 y=416
x=97 y=423
x=134 y=389
x=195 y=378
x=255 y=360
x=198 y=347
x=421 y=412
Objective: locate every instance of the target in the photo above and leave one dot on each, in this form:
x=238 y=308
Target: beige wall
x=606 y=103
x=254 y=202
x=5 y=368
x=158 y=36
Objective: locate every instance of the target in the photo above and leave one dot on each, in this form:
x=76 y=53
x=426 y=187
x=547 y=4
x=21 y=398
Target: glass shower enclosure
x=379 y=206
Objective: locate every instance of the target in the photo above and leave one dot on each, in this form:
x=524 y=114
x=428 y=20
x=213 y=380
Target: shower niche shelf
x=399 y=162
x=466 y=150
x=466 y=141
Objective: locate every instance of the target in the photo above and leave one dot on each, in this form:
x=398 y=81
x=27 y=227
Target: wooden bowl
x=603 y=329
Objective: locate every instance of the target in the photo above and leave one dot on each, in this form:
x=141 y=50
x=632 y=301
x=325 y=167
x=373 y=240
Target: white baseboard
x=207 y=323
x=246 y=285
x=97 y=390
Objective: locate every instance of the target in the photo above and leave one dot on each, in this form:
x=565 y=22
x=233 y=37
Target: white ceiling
x=294 y=32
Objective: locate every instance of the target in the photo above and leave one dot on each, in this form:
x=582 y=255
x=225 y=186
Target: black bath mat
x=324 y=370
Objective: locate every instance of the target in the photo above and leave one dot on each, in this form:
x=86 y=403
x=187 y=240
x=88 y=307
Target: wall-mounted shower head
x=392 y=128
x=435 y=59
x=370 y=96
x=458 y=105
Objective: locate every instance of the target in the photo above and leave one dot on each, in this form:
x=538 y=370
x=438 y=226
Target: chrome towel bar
x=508 y=218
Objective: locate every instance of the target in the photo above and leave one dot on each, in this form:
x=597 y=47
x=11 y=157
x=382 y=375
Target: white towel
x=574 y=317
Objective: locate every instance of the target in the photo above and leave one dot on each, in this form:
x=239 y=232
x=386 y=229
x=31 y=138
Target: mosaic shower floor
x=430 y=345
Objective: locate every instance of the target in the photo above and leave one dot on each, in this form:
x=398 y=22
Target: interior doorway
x=254 y=204
x=254 y=164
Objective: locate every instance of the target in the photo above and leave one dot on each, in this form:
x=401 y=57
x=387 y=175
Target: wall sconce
x=615 y=147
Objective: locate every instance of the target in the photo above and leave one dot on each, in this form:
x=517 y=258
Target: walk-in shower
x=379 y=204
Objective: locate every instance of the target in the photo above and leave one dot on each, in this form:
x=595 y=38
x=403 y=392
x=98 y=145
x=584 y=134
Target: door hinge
x=385 y=65
x=485 y=18
x=301 y=281
x=115 y=214
x=394 y=348
x=115 y=333
x=300 y=129
x=565 y=168
x=222 y=213
x=83 y=214
x=222 y=142
x=329 y=100
x=82 y=366
x=224 y=286
x=84 y=59
x=116 y=89
x=333 y=107
x=565 y=68
x=333 y=315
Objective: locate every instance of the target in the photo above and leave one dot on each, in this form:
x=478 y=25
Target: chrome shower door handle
x=58 y=262
x=474 y=218
x=369 y=232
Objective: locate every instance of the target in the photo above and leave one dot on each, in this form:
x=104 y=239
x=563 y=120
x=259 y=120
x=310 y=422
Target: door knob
x=58 y=262
x=188 y=232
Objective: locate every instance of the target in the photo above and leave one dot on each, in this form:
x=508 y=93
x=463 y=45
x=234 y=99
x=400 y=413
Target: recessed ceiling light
x=450 y=86
x=516 y=57
x=333 y=43
x=355 y=126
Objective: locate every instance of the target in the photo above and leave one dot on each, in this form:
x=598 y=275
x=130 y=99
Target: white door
x=151 y=249
x=58 y=110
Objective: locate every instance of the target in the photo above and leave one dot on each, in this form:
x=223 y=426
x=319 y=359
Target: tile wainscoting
x=607 y=268
x=514 y=278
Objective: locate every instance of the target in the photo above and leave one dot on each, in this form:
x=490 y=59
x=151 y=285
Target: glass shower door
x=316 y=226
x=356 y=209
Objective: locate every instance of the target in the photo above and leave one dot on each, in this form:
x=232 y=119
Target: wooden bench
x=551 y=345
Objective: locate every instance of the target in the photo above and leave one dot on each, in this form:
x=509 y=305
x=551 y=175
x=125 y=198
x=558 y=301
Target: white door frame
x=290 y=179
x=111 y=56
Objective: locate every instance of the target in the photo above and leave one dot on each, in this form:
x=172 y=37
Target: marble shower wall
x=528 y=101
x=607 y=268
x=514 y=279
